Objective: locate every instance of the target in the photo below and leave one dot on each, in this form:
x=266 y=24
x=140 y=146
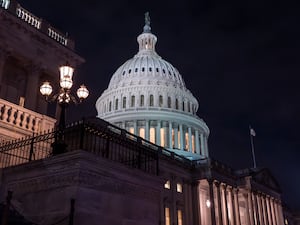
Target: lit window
x=179 y=187
x=124 y=102
x=173 y=138
x=160 y=101
x=167 y=216
x=152 y=135
x=132 y=101
x=167 y=185
x=193 y=143
x=179 y=217
x=162 y=137
x=286 y=222
x=142 y=100
x=151 y=100
x=142 y=132
x=179 y=139
x=131 y=130
x=116 y=104
x=187 y=141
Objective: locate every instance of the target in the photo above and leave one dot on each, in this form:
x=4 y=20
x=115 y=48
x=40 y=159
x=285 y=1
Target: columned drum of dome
x=148 y=97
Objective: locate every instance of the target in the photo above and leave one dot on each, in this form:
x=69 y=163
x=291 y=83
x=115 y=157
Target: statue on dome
x=147 y=28
x=147 y=19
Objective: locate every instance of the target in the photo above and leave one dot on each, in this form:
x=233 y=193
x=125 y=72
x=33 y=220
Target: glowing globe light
x=46 y=89
x=82 y=92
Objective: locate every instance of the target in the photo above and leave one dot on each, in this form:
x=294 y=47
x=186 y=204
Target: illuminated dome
x=148 y=97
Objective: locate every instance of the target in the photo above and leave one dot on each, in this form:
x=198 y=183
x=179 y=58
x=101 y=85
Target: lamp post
x=63 y=98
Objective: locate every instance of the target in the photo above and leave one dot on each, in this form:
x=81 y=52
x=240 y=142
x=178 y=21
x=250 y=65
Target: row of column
x=165 y=101
x=169 y=134
x=229 y=206
x=263 y=209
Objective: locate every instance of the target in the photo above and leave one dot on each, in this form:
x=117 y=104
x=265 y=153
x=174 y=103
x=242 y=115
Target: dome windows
x=161 y=101
x=142 y=100
x=129 y=71
x=116 y=104
x=176 y=104
x=132 y=101
x=136 y=70
x=150 y=69
x=109 y=107
x=169 y=102
x=151 y=100
x=124 y=103
x=143 y=69
x=157 y=70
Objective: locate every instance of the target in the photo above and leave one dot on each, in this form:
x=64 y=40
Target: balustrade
x=24 y=119
x=28 y=17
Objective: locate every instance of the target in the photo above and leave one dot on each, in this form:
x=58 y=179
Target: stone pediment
x=265 y=178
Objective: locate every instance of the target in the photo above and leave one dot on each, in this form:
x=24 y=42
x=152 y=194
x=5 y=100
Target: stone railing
x=4 y=4
x=22 y=120
x=28 y=17
x=14 y=7
x=56 y=35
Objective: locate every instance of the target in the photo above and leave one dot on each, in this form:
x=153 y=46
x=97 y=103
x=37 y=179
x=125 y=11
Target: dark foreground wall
x=105 y=192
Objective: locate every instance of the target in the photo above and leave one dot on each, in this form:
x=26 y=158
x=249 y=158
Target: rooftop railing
x=36 y=22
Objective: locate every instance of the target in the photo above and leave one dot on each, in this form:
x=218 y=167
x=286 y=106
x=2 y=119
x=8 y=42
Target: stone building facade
x=149 y=164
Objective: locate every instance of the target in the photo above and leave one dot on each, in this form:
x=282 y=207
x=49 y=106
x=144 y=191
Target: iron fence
x=94 y=135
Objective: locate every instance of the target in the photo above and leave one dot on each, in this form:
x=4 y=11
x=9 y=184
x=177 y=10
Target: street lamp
x=63 y=97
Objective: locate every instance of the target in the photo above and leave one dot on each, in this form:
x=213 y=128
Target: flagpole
x=252 y=147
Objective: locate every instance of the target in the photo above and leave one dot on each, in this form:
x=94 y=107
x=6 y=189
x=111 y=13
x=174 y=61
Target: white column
x=170 y=135
x=247 y=208
x=237 y=207
x=232 y=208
x=157 y=133
x=280 y=213
x=273 y=211
x=202 y=144
x=181 y=137
x=250 y=208
x=259 y=209
x=206 y=147
x=268 y=210
x=176 y=137
x=197 y=142
x=147 y=130
x=135 y=127
x=264 y=207
x=219 y=205
x=226 y=205
x=190 y=139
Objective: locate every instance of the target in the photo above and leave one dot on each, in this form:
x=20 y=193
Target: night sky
x=240 y=59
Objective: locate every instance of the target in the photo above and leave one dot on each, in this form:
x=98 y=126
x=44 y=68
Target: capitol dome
x=148 y=97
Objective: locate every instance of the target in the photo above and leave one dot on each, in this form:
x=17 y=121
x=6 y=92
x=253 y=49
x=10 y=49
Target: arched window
x=151 y=100
x=124 y=103
x=109 y=108
x=189 y=107
x=176 y=104
x=161 y=101
x=183 y=106
x=169 y=102
x=132 y=101
x=142 y=100
x=116 y=104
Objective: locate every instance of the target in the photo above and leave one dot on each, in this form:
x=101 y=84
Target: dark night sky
x=240 y=59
